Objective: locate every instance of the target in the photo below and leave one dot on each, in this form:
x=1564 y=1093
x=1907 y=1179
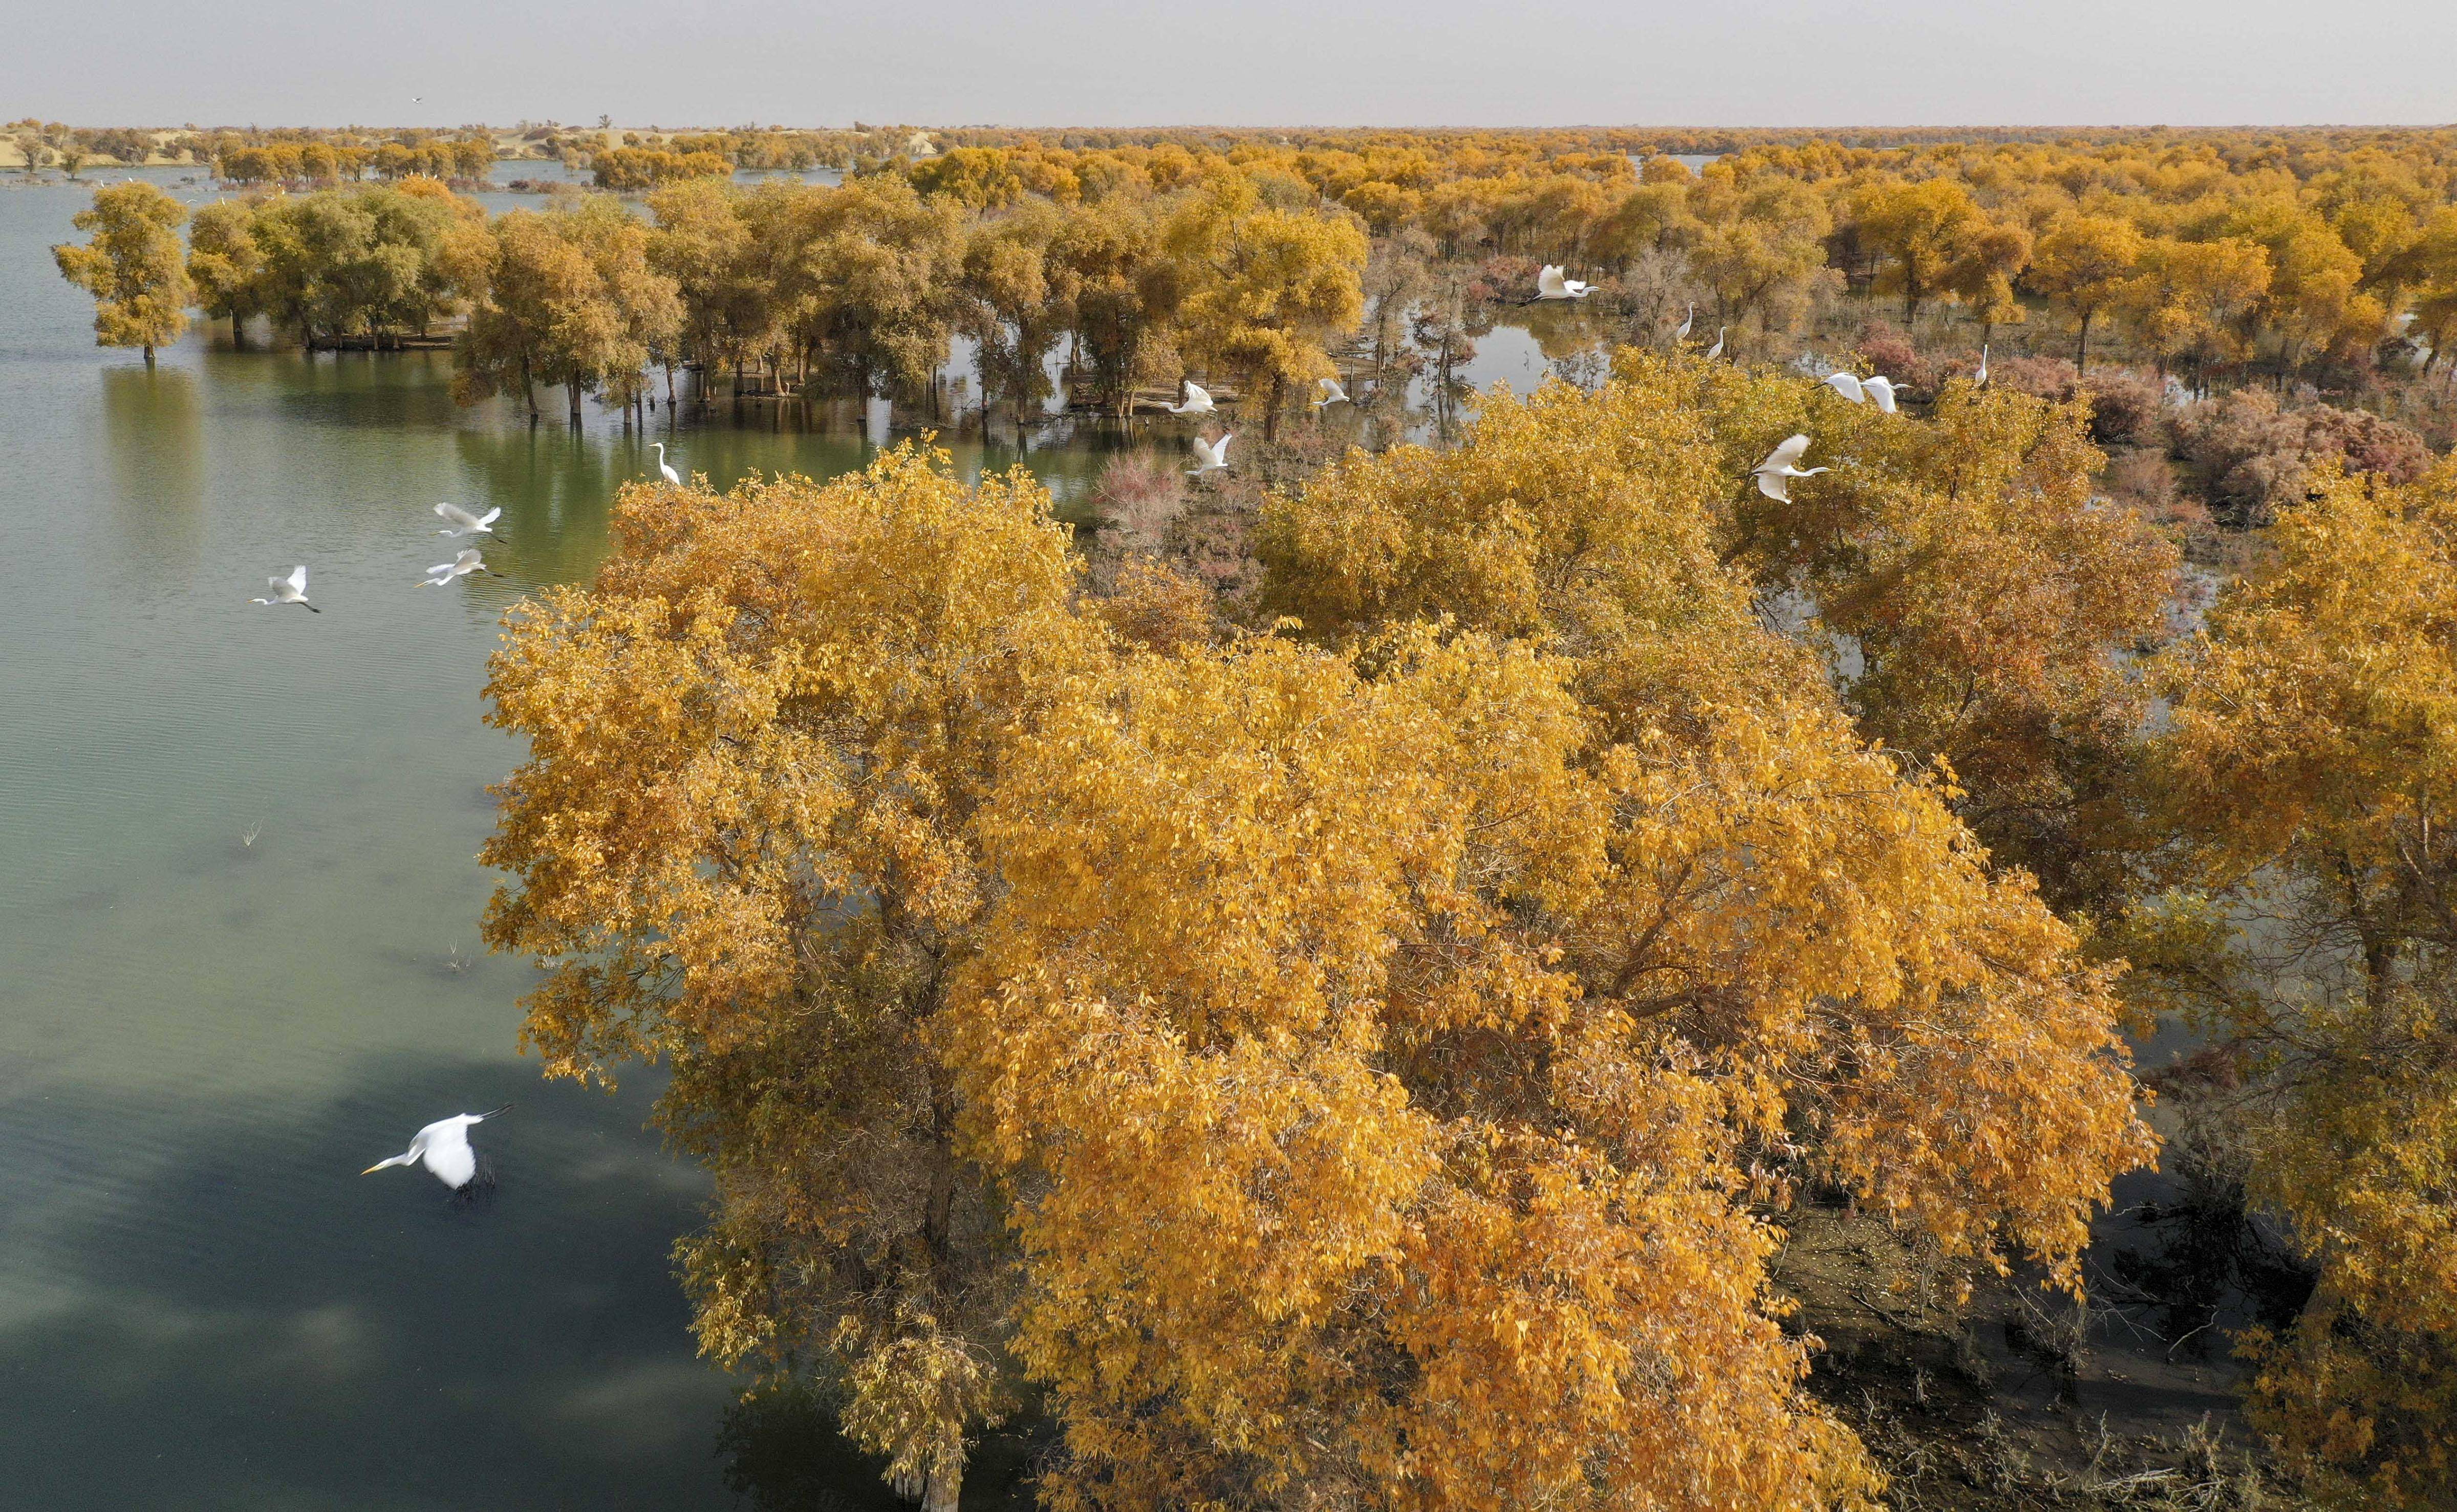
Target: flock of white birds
x=291 y=587
x=1773 y=476
x=444 y=1146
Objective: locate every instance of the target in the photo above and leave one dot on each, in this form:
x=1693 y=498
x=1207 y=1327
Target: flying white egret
x=463 y=522
x=443 y=1147
x=1209 y=456
x=468 y=562
x=1774 y=475
x=1683 y=334
x=1845 y=384
x=664 y=469
x=1979 y=378
x=1331 y=393
x=1717 y=350
x=1197 y=402
x=1550 y=285
x=1880 y=388
x=291 y=590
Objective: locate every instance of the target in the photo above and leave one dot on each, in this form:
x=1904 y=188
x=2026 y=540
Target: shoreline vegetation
x=1530 y=964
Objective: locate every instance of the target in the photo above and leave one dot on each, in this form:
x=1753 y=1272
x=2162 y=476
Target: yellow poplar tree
x=743 y=838
x=133 y=266
x=1267 y=289
x=1987 y=601
x=2307 y=773
x=2193 y=299
x=1364 y=1065
x=224 y=262
x=2087 y=263
x=1920 y=229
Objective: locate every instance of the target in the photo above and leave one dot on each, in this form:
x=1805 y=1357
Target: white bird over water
x=1979 y=378
x=468 y=562
x=1209 y=456
x=1774 y=475
x=1845 y=384
x=463 y=522
x=1331 y=393
x=1717 y=350
x=1683 y=334
x=1880 y=388
x=291 y=590
x=1550 y=285
x=1197 y=402
x=443 y=1147
x=664 y=469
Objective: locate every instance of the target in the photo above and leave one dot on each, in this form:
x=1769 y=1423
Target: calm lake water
x=202 y=1042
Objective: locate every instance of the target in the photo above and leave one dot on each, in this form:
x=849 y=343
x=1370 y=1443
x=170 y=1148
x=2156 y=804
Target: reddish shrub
x=1504 y=278
x=2126 y=409
x=2247 y=456
x=2045 y=377
x=1885 y=350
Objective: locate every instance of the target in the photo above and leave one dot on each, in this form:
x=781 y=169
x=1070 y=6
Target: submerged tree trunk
x=571 y=389
x=148 y=357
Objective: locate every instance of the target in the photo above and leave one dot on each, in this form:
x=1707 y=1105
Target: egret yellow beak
x=372 y=1169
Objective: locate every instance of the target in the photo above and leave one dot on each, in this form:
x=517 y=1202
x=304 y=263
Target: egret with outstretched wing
x=463 y=522
x=443 y=1147
x=1774 y=475
x=1209 y=456
x=468 y=562
x=1551 y=284
x=291 y=590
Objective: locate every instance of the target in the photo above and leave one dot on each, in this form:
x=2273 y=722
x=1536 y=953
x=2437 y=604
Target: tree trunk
x=571 y=388
x=2081 y=358
x=148 y=357
x=941 y=1493
x=1272 y=416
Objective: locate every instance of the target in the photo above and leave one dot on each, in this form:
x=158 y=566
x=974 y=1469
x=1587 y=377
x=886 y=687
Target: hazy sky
x=1256 y=62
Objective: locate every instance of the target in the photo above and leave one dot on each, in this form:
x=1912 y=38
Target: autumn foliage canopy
x=1363 y=1059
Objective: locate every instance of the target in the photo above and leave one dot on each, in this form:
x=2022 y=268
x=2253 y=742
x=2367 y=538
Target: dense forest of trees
x=2320 y=258
x=1360 y=1041
x=1356 y=1030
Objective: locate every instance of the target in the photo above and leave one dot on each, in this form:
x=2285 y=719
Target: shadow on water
x=252 y=1323
x=784 y=1453
x=154 y=422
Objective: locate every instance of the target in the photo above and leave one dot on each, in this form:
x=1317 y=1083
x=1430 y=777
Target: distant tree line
x=2208 y=255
